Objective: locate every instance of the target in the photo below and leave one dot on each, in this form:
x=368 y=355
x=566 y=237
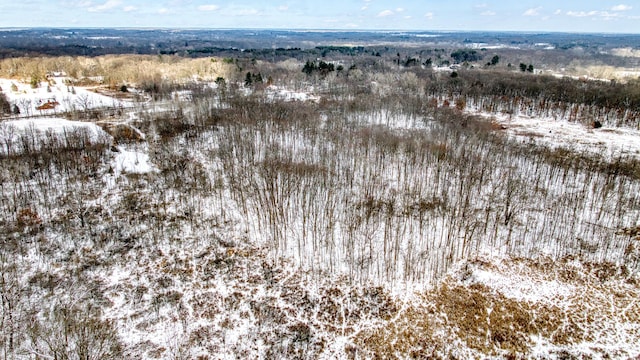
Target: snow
x=68 y=97
x=132 y=162
x=231 y=282
x=17 y=135
x=490 y=46
x=390 y=120
x=606 y=141
x=564 y=292
x=282 y=93
x=517 y=285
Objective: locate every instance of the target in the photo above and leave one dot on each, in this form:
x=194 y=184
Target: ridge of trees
x=612 y=95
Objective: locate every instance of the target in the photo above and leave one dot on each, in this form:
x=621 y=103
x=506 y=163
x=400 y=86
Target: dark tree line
x=323 y=68
x=614 y=95
x=462 y=55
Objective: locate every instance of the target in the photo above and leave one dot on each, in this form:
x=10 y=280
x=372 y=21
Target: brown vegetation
x=117 y=69
x=491 y=324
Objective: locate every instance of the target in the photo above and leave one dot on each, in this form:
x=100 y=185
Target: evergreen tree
x=309 y=67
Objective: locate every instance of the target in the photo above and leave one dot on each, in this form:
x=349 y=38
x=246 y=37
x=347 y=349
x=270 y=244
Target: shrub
x=35 y=81
x=5 y=106
x=28 y=217
x=71 y=333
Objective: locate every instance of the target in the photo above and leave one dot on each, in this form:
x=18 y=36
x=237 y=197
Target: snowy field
x=35 y=134
x=62 y=97
x=608 y=142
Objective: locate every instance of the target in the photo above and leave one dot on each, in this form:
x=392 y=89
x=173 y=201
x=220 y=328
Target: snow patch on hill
x=517 y=282
x=19 y=136
x=608 y=142
x=66 y=97
x=281 y=93
x=132 y=162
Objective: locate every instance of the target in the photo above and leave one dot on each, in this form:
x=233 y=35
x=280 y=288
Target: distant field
x=115 y=69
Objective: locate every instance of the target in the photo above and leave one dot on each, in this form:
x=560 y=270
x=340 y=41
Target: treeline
x=587 y=101
x=606 y=94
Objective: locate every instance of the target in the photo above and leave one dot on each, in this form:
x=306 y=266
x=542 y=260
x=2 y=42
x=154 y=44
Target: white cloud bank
x=621 y=7
x=532 y=12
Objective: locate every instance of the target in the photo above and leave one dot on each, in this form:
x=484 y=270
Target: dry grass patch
x=486 y=310
x=122 y=133
x=117 y=69
x=604 y=72
x=413 y=332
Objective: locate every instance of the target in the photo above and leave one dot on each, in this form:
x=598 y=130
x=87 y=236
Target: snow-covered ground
x=66 y=97
x=608 y=142
x=18 y=136
x=516 y=281
x=132 y=162
x=281 y=93
x=594 y=307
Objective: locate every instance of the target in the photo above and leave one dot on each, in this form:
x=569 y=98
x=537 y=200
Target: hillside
x=257 y=211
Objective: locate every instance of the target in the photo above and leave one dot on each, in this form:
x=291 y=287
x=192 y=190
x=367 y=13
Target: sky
x=462 y=15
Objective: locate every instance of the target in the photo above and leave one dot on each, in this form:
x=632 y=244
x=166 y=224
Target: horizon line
x=372 y=30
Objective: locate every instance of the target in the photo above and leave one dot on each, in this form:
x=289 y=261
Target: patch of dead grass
x=117 y=69
x=604 y=311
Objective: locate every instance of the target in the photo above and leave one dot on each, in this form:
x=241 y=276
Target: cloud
x=283 y=7
x=605 y=15
x=484 y=9
x=399 y=9
x=557 y=12
x=610 y=16
x=385 y=13
x=163 y=11
x=582 y=13
x=429 y=15
x=210 y=7
x=129 y=8
x=532 y=12
x=109 y=5
x=621 y=7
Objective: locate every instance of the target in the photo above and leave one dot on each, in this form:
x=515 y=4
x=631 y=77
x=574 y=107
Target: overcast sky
x=518 y=15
